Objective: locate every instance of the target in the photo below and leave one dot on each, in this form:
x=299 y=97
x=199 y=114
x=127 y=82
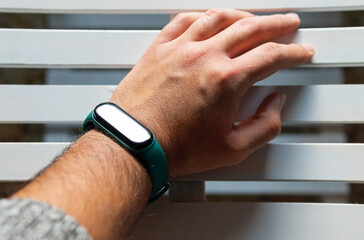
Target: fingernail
x=309 y=47
x=293 y=16
x=281 y=100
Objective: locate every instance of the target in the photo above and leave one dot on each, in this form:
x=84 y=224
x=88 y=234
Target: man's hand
x=186 y=87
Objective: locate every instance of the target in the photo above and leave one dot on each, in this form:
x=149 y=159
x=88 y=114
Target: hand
x=186 y=87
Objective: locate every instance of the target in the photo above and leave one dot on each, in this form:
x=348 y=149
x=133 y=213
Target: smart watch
x=135 y=138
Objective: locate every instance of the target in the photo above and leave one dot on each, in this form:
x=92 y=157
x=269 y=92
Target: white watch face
x=127 y=128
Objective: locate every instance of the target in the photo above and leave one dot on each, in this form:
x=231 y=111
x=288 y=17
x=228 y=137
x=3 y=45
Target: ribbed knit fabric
x=23 y=219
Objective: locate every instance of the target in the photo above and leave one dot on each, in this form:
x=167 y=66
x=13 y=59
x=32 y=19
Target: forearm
x=96 y=181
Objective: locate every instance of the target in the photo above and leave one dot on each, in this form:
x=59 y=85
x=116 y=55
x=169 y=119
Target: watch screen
x=123 y=125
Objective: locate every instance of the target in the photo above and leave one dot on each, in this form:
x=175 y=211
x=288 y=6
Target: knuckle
x=218 y=13
x=217 y=75
x=179 y=16
x=183 y=17
x=273 y=51
x=238 y=150
x=251 y=24
x=301 y=54
x=271 y=125
x=274 y=125
x=248 y=14
x=221 y=74
x=193 y=54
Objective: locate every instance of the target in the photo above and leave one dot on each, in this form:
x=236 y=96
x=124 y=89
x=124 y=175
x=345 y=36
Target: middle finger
x=248 y=33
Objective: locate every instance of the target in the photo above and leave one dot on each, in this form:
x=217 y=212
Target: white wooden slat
x=155 y=6
x=50 y=104
x=310 y=104
x=300 y=161
x=63 y=104
x=274 y=162
x=19 y=160
x=122 y=49
x=73 y=48
x=249 y=221
x=22 y=161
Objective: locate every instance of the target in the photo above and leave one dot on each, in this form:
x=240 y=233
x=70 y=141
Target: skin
x=186 y=90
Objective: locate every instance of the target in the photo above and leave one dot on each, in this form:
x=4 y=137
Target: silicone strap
x=152 y=157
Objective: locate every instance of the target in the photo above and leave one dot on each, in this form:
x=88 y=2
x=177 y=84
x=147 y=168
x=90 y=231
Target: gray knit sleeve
x=28 y=219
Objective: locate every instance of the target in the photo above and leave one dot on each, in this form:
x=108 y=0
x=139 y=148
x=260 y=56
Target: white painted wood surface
x=274 y=162
x=63 y=104
x=22 y=161
x=121 y=49
x=311 y=104
x=301 y=162
x=172 y=6
x=72 y=48
x=250 y=221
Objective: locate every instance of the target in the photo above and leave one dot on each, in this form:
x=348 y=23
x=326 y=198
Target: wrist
x=135 y=138
x=156 y=120
x=119 y=163
x=167 y=139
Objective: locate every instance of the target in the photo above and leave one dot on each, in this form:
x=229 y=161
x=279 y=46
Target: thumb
x=262 y=127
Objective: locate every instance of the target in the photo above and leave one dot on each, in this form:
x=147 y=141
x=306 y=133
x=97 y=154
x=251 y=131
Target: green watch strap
x=152 y=156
